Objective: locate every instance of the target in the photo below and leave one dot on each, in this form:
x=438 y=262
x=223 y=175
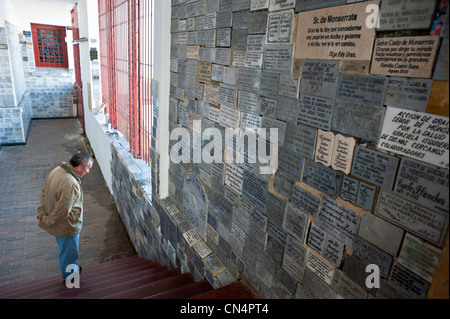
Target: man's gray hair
x=81 y=158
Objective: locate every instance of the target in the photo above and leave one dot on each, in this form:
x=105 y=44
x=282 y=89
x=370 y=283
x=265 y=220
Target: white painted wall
x=7 y=12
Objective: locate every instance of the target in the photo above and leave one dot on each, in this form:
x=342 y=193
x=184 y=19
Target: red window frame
x=49 y=44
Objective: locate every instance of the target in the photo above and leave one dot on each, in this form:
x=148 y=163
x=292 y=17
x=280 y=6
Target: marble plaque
x=420 y=257
x=342 y=157
x=254 y=191
x=408 y=93
x=223 y=37
x=441 y=69
x=300 y=139
x=213 y=264
x=316 y=237
x=216 y=73
x=192 y=52
x=239 y=5
x=210 y=21
x=324 y=147
x=224 y=19
x=366 y=196
x=268 y=107
x=418 y=135
x=295 y=222
x=240 y=19
x=381 y=233
x=259 y=5
x=257 y=22
x=248 y=102
x=278 y=58
x=294 y=258
x=255 y=43
x=375 y=167
x=320 y=267
x=253 y=60
x=322 y=178
x=289 y=86
x=372 y=255
x=424 y=184
x=223 y=56
x=319 y=78
x=405 y=56
x=214 y=114
x=239 y=40
x=238 y=59
x=275 y=207
x=195 y=203
x=358 y=120
x=409 y=282
x=204 y=72
x=227 y=95
x=305 y=5
x=405 y=14
x=229 y=75
x=364 y=89
x=237 y=238
x=211 y=93
x=277 y=232
x=229 y=117
x=340 y=222
x=336 y=33
x=419 y=220
x=315 y=111
x=191 y=237
x=269 y=123
x=249 y=79
x=279 y=26
x=269 y=84
x=349 y=189
x=234 y=177
x=305 y=201
x=276 y=5
x=287 y=106
x=333 y=250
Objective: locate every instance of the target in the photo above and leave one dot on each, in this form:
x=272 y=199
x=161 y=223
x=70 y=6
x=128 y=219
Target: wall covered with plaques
x=358 y=206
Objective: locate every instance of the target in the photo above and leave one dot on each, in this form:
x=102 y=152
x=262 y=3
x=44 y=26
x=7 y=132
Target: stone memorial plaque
x=305 y=201
x=424 y=184
x=210 y=43
x=319 y=78
x=279 y=26
x=408 y=282
x=227 y=95
x=201 y=249
x=248 y=102
x=269 y=84
x=213 y=264
x=322 y=178
x=283 y=183
x=229 y=117
x=237 y=238
x=358 y=120
x=254 y=191
x=250 y=122
x=316 y=237
x=421 y=136
x=195 y=203
x=191 y=237
x=276 y=5
x=372 y=255
x=375 y=167
x=238 y=59
x=275 y=207
x=381 y=233
x=324 y=147
x=211 y=93
x=268 y=108
x=295 y=222
x=420 y=257
x=305 y=5
x=441 y=69
x=224 y=19
x=269 y=123
x=192 y=52
x=239 y=40
x=223 y=56
x=257 y=22
x=239 y=5
x=234 y=177
x=405 y=56
x=253 y=60
x=349 y=189
x=366 y=196
x=255 y=43
x=278 y=58
x=192 y=38
x=364 y=89
x=294 y=258
x=320 y=267
x=419 y=220
x=340 y=222
x=289 y=86
x=337 y=33
x=210 y=21
x=343 y=153
x=301 y=139
x=214 y=114
x=287 y=106
x=240 y=19
x=315 y=111
x=405 y=14
x=223 y=37
x=249 y=79
x=333 y=250
x=217 y=72
x=408 y=93
x=277 y=232
x=259 y=5
x=204 y=72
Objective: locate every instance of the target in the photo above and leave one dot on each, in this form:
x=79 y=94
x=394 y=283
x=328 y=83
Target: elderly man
x=60 y=212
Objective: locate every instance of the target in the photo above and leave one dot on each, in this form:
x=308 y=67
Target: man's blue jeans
x=68 y=253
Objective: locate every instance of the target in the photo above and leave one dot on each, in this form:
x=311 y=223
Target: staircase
x=130 y=278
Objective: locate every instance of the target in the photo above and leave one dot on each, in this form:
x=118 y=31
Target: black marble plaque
x=315 y=111
x=305 y=201
x=254 y=191
x=319 y=78
x=364 y=89
x=322 y=178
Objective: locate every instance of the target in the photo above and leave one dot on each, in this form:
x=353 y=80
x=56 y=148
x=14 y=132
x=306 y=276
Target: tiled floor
x=26 y=251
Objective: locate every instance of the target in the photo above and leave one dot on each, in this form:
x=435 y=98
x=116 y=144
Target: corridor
x=26 y=251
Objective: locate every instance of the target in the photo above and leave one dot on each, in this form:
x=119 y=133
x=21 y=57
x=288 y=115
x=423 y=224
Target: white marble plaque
x=320 y=267
x=324 y=147
x=259 y=5
x=422 y=136
x=343 y=153
x=279 y=26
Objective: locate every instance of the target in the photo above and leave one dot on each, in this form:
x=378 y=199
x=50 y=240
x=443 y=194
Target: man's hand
x=41 y=219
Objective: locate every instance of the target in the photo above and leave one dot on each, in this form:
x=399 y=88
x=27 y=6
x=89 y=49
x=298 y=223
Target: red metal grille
x=50 y=48
x=126 y=59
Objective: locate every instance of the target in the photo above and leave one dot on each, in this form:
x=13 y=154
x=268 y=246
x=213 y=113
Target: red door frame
x=77 y=67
